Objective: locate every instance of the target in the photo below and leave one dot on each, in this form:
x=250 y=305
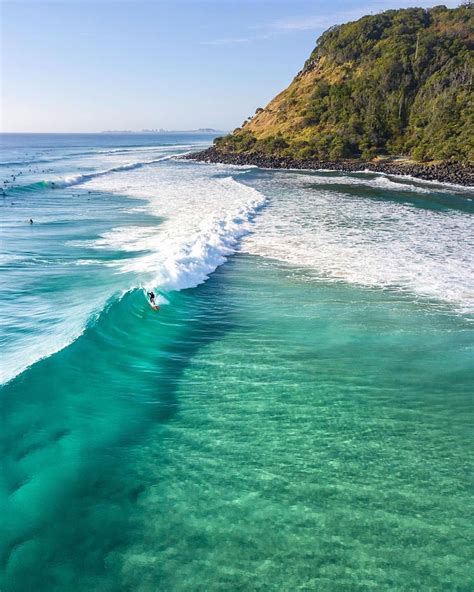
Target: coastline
x=446 y=172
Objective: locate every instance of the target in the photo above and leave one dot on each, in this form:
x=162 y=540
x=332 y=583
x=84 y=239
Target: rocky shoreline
x=446 y=172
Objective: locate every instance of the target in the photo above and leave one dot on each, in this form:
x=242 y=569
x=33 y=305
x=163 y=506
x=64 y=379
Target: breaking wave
x=178 y=254
x=84 y=177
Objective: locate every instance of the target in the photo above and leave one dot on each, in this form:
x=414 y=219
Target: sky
x=90 y=66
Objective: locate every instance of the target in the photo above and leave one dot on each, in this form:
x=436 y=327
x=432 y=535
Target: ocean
x=297 y=415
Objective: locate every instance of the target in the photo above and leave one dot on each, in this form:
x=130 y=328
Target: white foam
x=377 y=243
x=8 y=258
x=205 y=216
x=85 y=262
x=186 y=264
x=378 y=182
x=82 y=178
x=435 y=185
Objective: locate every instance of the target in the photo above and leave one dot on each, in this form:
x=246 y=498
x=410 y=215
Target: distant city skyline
x=131 y=65
x=161 y=130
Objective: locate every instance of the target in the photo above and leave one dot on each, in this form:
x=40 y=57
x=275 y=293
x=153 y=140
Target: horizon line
x=126 y=132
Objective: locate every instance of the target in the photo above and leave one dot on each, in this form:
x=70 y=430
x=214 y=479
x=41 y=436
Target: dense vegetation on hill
x=395 y=83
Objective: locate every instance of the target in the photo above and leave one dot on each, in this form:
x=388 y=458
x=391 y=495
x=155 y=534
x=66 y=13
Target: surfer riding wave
x=151 y=297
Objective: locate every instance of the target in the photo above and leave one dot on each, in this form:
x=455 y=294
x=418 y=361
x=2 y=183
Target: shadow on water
x=70 y=423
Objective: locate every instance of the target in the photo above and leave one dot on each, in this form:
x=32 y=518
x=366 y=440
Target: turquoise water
x=299 y=413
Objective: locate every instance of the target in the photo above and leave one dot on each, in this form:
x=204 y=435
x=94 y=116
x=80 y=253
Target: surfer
x=151 y=297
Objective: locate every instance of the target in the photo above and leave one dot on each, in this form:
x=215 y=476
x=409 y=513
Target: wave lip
x=189 y=264
x=84 y=177
x=77 y=179
x=181 y=254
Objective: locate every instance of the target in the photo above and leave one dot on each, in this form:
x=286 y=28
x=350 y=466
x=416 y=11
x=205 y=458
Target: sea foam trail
x=367 y=180
x=382 y=243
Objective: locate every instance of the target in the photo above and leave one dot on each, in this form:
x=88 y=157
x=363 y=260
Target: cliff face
x=395 y=83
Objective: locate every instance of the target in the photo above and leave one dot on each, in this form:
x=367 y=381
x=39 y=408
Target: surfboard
x=154 y=306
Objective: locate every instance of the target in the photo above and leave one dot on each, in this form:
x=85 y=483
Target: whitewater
x=366 y=229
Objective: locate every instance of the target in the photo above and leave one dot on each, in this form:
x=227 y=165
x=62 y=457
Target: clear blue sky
x=178 y=64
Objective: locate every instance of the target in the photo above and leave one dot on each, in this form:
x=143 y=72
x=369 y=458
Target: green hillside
x=394 y=83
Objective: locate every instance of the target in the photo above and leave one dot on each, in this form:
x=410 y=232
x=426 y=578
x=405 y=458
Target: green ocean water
x=297 y=416
x=266 y=432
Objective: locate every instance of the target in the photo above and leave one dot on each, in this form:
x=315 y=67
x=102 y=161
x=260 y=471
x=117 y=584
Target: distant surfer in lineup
x=151 y=297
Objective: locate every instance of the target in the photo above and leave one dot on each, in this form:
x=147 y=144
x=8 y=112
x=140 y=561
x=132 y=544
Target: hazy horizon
x=88 y=67
x=124 y=132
